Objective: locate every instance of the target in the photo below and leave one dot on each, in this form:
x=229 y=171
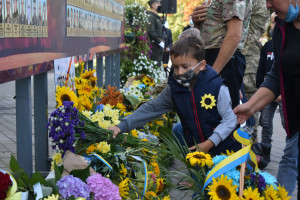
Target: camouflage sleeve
x=233 y=8
x=159 y=87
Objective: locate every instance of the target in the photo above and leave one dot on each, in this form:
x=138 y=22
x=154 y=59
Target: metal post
x=99 y=72
x=108 y=70
x=90 y=64
x=24 y=124
x=117 y=70
x=40 y=122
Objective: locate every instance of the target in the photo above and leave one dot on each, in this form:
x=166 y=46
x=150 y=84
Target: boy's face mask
x=292 y=13
x=186 y=79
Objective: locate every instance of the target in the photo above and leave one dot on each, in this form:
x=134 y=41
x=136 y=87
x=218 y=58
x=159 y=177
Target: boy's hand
x=204 y=146
x=116 y=130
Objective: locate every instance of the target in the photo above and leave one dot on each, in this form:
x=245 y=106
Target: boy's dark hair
x=189 y=46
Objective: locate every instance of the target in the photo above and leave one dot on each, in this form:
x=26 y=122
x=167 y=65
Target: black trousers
x=232 y=73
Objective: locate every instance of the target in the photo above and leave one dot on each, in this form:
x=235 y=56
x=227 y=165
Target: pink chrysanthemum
x=103 y=188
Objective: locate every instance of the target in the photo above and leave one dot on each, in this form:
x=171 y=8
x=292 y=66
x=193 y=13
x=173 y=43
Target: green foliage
x=82 y=174
x=58 y=170
x=13 y=164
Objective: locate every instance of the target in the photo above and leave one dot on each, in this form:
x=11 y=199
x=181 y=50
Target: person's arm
x=148 y=111
x=227 y=124
x=260 y=99
x=230 y=43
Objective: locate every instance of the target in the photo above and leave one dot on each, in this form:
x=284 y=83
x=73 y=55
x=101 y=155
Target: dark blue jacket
x=197 y=121
x=275 y=79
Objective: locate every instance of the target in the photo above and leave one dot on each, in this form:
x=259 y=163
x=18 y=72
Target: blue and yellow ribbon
x=235 y=159
x=103 y=160
x=146 y=173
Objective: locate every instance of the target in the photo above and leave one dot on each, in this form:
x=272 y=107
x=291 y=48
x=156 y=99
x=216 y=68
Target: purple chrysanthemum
x=259 y=181
x=103 y=188
x=62 y=127
x=72 y=186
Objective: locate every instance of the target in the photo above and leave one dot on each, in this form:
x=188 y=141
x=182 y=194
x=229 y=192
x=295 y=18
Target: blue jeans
x=266 y=122
x=178 y=133
x=288 y=165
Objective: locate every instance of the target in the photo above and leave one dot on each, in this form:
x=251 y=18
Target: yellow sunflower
x=80 y=83
x=250 y=194
x=87 y=91
x=150 y=194
x=148 y=81
x=159 y=185
x=65 y=94
x=93 y=81
x=270 y=193
x=155 y=168
x=199 y=158
x=122 y=107
x=84 y=103
x=222 y=189
x=124 y=189
x=208 y=101
x=167 y=198
x=123 y=170
x=282 y=193
x=88 y=74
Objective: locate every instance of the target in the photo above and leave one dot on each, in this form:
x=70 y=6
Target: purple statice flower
x=72 y=186
x=103 y=188
x=259 y=181
x=62 y=126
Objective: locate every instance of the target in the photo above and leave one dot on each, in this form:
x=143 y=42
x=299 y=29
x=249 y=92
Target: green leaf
x=13 y=164
x=133 y=100
x=52 y=183
x=83 y=174
x=37 y=177
x=58 y=170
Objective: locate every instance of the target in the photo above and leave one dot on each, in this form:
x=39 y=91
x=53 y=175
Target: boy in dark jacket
x=198 y=95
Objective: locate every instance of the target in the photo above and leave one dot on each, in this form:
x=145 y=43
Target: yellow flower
x=103 y=147
x=229 y=153
x=200 y=159
x=134 y=133
x=80 y=83
x=149 y=195
x=52 y=197
x=123 y=170
x=144 y=151
x=93 y=81
x=122 y=107
x=91 y=149
x=144 y=140
x=84 y=103
x=65 y=94
x=282 y=193
x=124 y=189
x=57 y=159
x=87 y=113
x=222 y=189
x=250 y=194
x=102 y=91
x=270 y=193
x=167 y=198
x=136 y=82
x=160 y=123
x=159 y=185
x=155 y=133
x=127 y=113
x=148 y=81
x=88 y=74
x=155 y=168
x=87 y=91
x=208 y=101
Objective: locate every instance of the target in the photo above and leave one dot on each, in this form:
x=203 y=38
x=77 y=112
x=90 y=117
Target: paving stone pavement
x=8 y=133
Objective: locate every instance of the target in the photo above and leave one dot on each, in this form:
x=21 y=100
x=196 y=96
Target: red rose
x=5 y=182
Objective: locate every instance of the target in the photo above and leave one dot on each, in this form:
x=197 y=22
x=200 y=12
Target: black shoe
x=263 y=163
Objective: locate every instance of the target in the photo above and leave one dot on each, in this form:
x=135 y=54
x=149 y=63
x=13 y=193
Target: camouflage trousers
x=250 y=81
